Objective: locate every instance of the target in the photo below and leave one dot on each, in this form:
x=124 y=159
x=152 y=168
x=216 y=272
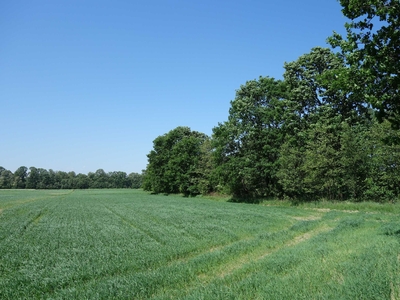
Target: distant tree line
x=38 y=178
x=328 y=130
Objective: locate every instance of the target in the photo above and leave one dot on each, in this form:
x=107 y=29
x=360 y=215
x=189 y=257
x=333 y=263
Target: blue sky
x=90 y=84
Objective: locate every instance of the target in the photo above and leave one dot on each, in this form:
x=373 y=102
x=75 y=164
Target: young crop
x=127 y=244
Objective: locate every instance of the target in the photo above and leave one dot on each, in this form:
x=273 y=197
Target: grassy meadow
x=128 y=244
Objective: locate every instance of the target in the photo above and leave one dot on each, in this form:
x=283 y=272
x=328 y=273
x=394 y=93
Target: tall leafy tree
x=331 y=163
x=52 y=178
x=291 y=172
x=6 y=178
x=118 y=179
x=335 y=160
x=315 y=115
x=383 y=181
x=20 y=176
x=62 y=181
x=82 y=181
x=32 y=179
x=371 y=50
x=247 y=145
x=100 y=179
x=44 y=179
x=173 y=162
x=203 y=180
x=354 y=160
x=135 y=180
x=309 y=81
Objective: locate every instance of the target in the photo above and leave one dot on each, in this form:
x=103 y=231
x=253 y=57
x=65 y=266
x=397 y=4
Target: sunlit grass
x=127 y=244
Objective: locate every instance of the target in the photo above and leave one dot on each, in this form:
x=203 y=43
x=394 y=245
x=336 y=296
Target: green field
x=127 y=244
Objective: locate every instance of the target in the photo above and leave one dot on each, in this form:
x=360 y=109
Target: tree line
x=38 y=178
x=328 y=130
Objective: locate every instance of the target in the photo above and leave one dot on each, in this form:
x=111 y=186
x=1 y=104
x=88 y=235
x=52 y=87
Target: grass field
x=127 y=244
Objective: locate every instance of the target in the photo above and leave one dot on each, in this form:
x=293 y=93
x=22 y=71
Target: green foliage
x=327 y=153
x=291 y=172
x=371 y=50
x=20 y=178
x=202 y=180
x=383 y=181
x=334 y=163
x=6 y=178
x=305 y=138
x=354 y=158
x=176 y=163
x=135 y=180
x=340 y=162
x=32 y=178
x=308 y=88
x=39 y=178
x=247 y=145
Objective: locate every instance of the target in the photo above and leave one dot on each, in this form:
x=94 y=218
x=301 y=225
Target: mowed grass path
x=127 y=244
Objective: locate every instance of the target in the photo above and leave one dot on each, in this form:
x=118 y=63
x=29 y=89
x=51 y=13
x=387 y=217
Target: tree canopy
x=246 y=146
x=174 y=163
x=300 y=138
x=39 y=178
x=371 y=50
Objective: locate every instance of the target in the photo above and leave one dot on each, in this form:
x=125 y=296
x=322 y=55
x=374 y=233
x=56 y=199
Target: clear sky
x=90 y=84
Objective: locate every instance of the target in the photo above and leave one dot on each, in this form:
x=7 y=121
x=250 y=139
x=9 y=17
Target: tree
x=62 y=180
x=81 y=181
x=383 y=180
x=316 y=115
x=309 y=80
x=6 y=178
x=32 y=179
x=332 y=162
x=101 y=179
x=118 y=179
x=335 y=160
x=247 y=145
x=203 y=180
x=20 y=177
x=291 y=172
x=44 y=179
x=52 y=180
x=135 y=180
x=354 y=160
x=173 y=162
x=371 y=50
